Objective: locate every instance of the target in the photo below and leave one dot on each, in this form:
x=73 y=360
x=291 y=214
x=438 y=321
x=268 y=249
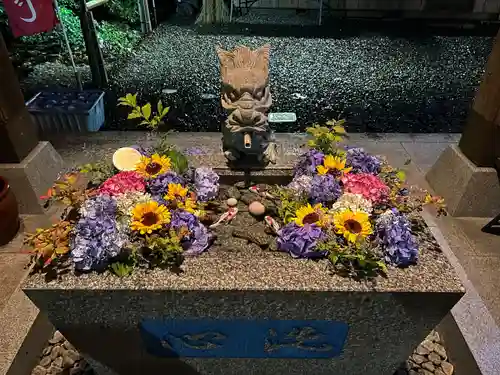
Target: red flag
x=28 y=17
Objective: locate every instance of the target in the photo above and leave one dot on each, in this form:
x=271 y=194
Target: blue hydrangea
x=97 y=238
x=158 y=186
x=206 y=183
x=324 y=189
x=362 y=162
x=307 y=163
x=398 y=243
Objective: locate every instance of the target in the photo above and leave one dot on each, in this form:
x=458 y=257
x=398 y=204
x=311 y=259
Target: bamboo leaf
x=165 y=111
x=134 y=114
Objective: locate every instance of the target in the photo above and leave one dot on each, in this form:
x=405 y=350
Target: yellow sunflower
x=333 y=164
x=352 y=225
x=153 y=166
x=310 y=215
x=189 y=205
x=176 y=192
x=149 y=216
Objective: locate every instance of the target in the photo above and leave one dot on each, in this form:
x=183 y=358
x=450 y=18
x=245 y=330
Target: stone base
x=468 y=190
x=31 y=178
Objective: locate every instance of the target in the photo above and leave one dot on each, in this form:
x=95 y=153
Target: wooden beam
x=480 y=140
x=95 y=3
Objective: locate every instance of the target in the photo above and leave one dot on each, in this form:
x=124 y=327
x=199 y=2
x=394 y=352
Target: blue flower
x=394 y=231
x=307 y=163
x=300 y=241
x=324 y=189
x=206 y=183
x=97 y=238
x=158 y=186
x=362 y=162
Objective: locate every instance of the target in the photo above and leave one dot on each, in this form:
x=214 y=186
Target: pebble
x=422 y=350
x=45 y=361
x=417 y=358
x=256 y=208
x=435 y=358
x=439 y=349
x=56 y=352
x=39 y=370
x=58 y=337
x=447 y=368
x=233 y=192
x=58 y=362
x=231 y=202
x=428 y=366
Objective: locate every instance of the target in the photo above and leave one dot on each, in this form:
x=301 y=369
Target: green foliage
x=166 y=250
x=179 y=161
x=150 y=119
x=122 y=269
x=70 y=190
x=124 y=9
x=326 y=138
x=288 y=203
x=358 y=261
x=97 y=173
x=117 y=39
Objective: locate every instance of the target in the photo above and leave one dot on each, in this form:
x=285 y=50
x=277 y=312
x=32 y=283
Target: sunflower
x=153 y=166
x=352 y=225
x=333 y=164
x=176 y=192
x=310 y=215
x=189 y=205
x=149 y=216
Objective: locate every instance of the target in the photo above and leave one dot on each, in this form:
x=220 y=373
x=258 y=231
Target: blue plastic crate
x=67 y=111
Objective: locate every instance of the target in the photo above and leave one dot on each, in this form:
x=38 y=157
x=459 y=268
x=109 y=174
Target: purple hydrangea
x=324 y=189
x=97 y=238
x=301 y=184
x=206 y=183
x=199 y=237
x=300 y=242
x=158 y=186
x=362 y=162
x=394 y=232
x=307 y=163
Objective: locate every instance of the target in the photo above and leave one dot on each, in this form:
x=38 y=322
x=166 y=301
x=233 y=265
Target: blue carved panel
x=244 y=338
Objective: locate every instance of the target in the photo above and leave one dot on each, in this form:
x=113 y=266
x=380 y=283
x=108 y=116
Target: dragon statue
x=246 y=136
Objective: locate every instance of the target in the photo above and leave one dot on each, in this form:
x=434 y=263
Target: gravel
x=381 y=81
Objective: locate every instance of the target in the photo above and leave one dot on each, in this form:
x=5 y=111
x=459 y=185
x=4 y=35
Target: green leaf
x=160 y=107
x=165 y=111
x=146 y=111
x=339 y=129
x=179 y=162
x=134 y=114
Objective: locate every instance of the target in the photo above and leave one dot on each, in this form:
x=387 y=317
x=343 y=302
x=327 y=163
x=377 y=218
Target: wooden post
x=18 y=134
x=94 y=53
x=480 y=140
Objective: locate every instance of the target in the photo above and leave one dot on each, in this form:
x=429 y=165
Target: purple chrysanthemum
x=362 y=162
x=300 y=242
x=324 y=189
x=206 y=183
x=97 y=238
x=307 y=163
x=158 y=186
x=394 y=232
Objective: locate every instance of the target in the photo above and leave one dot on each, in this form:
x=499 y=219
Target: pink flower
x=368 y=185
x=123 y=182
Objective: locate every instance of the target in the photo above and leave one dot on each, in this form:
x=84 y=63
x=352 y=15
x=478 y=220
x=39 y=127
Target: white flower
x=126 y=202
x=352 y=202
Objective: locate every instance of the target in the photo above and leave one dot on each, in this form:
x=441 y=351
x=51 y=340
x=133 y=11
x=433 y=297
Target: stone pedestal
x=33 y=176
x=251 y=313
x=468 y=190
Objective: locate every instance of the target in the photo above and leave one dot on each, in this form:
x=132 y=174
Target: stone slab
x=468 y=190
x=31 y=178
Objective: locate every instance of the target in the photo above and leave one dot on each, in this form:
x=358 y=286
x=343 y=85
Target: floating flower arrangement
x=150 y=209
